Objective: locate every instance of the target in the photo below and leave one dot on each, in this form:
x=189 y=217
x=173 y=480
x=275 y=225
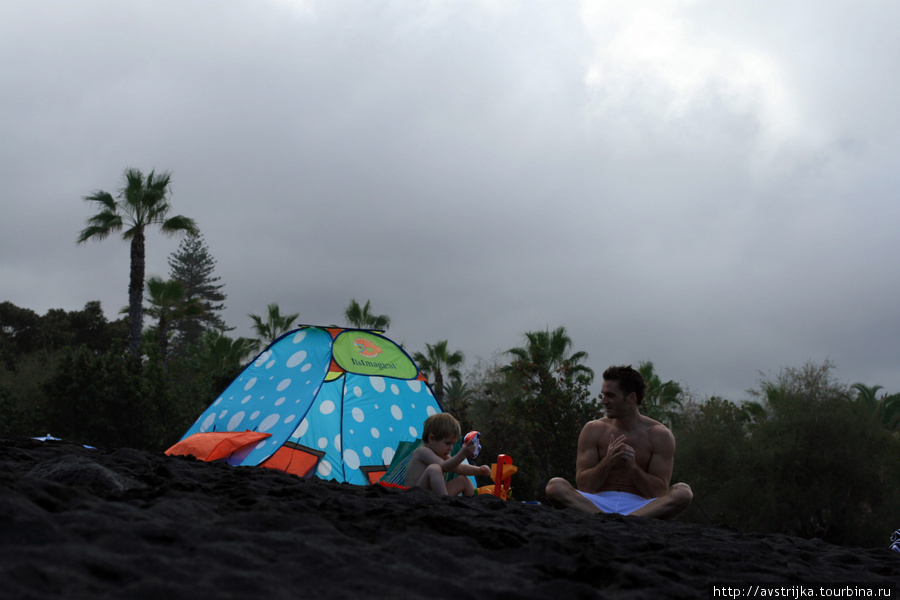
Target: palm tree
x=167 y=303
x=886 y=409
x=866 y=396
x=220 y=357
x=547 y=355
x=362 y=317
x=890 y=412
x=143 y=202
x=552 y=402
x=436 y=361
x=274 y=326
x=458 y=394
x=661 y=399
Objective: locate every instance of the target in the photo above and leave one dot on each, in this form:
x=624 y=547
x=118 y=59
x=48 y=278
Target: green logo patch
x=370 y=354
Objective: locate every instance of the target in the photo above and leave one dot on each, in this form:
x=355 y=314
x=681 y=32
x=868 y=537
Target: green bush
x=110 y=399
x=811 y=463
x=11 y=418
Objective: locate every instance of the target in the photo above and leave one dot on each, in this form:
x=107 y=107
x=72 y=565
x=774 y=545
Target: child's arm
x=464 y=468
x=453 y=463
x=467 y=469
x=426 y=457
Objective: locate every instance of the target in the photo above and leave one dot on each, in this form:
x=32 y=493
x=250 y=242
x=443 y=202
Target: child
x=432 y=459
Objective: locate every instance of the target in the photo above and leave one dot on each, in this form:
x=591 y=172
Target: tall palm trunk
x=136 y=293
x=439 y=387
x=142 y=203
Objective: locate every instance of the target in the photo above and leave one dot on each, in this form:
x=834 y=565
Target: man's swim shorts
x=621 y=503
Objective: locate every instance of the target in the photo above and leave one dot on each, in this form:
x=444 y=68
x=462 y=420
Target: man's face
x=612 y=399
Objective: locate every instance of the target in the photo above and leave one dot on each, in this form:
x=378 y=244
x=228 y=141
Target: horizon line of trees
x=806 y=455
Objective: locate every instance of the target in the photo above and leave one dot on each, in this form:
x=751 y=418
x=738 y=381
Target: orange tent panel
x=374 y=473
x=294 y=458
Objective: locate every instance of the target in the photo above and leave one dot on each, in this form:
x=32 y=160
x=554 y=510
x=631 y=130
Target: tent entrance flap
x=294 y=458
x=373 y=473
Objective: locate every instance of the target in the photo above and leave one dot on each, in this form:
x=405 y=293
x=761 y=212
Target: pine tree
x=193 y=265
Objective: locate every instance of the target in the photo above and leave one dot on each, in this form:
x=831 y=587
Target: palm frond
x=100 y=226
x=103 y=198
x=179 y=224
x=159 y=183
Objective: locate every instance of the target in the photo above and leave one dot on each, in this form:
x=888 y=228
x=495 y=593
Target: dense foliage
x=72 y=374
x=32 y=348
x=808 y=459
x=92 y=390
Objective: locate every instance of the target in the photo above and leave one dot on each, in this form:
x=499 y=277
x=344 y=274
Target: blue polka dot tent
x=323 y=401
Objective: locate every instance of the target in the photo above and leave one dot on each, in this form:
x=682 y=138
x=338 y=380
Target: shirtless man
x=625 y=459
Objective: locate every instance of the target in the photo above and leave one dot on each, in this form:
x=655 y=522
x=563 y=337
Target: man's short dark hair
x=629 y=380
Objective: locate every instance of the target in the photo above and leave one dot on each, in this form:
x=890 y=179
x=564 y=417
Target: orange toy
x=501 y=471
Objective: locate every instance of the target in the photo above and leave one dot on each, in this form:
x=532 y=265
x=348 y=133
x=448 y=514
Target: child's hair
x=441 y=426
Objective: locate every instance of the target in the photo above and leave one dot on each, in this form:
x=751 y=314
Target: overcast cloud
x=709 y=185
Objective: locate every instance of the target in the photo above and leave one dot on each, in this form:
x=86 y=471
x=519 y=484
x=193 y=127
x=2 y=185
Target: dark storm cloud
x=708 y=186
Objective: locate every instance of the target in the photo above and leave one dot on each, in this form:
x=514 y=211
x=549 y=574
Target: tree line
x=804 y=455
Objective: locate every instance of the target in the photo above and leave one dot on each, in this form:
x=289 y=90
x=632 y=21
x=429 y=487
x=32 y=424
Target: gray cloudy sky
x=710 y=185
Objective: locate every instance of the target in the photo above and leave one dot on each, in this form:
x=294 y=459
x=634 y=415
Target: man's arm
x=654 y=482
x=590 y=470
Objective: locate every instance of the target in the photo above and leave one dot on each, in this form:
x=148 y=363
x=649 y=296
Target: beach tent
x=336 y=403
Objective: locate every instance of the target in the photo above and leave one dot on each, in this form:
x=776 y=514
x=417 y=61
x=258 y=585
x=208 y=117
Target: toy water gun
x=474 y=435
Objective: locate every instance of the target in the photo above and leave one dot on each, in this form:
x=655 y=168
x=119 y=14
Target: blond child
x=432 y=459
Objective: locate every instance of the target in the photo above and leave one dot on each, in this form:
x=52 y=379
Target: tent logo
x=367 y=348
